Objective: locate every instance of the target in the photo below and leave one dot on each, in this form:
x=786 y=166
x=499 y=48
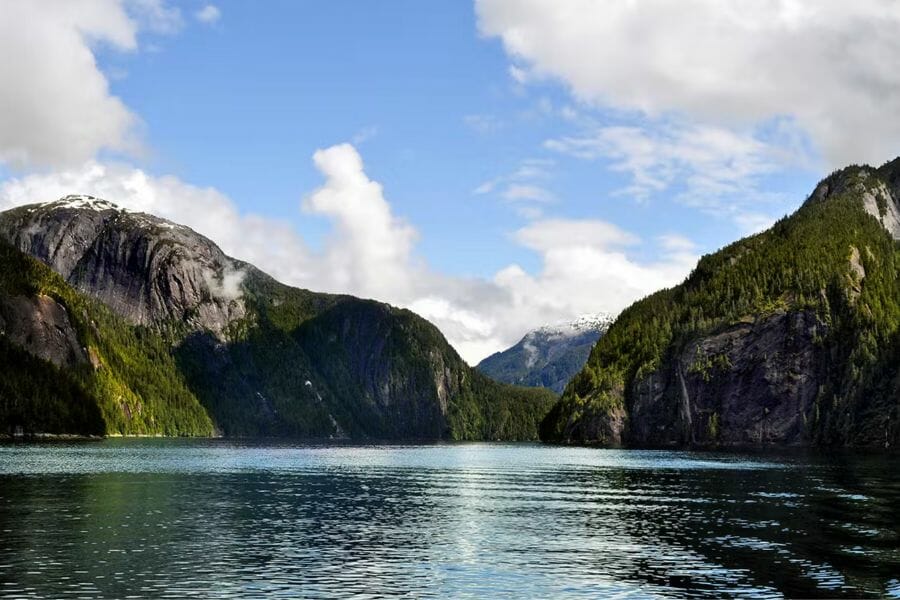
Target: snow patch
x=577 y=326
x=82 y=201
x=85 y=202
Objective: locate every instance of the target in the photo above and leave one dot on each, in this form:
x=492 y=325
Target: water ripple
x=177 y=519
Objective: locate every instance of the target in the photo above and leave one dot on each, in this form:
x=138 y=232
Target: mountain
x=791 y=336
x=549 y=356
x=115 y=322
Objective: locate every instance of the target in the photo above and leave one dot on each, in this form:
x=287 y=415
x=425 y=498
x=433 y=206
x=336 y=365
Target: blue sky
x=536 y=160
x=242 y=105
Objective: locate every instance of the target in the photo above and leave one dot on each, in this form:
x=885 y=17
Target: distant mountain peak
x=550 y=355
x=598 y=322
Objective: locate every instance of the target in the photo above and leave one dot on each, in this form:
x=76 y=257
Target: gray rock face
x=751 y=384
x=299 y=363
x=144 y=268
x=42 y=327
x=881 y=200
x=400 y=376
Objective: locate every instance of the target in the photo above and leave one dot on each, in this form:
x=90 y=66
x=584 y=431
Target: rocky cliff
x=260 y=357
x=145 y=269
x=41 y=326
x=548 y=356
x=789 y=337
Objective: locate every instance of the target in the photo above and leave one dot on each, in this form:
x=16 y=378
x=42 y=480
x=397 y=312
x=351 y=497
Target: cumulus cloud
x=830 y=66
x=56 y=107
x=370 y=248
x=370 y=252
x=586 y=268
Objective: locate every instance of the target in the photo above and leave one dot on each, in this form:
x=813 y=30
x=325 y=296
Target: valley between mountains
x=121 y=323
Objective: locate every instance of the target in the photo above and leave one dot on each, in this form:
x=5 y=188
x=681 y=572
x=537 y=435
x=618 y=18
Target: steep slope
x=786 y=337
x=261 y=357
x=549 y=356
x=68 y=365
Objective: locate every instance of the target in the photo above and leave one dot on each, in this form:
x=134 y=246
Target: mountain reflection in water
x=175 y=518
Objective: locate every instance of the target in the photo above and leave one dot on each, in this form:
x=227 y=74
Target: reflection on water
x=178 y=519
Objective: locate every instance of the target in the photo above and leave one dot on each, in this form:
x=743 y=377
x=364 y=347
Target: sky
x=493 y=165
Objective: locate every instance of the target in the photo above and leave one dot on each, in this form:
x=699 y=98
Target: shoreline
x=787 y=450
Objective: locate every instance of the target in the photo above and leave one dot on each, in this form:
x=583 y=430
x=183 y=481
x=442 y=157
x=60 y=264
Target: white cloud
x=156 y=15
x=550 y=234
x=520 y=187
x=713 y=169
x=754 y=222
x=676 y=243
x=485 y=188
x=228 y=286
x=517 y=191
x=209 y=14
x=828 y=65
x=364 y=135
x=56 y=107
x=709 y=161
x=519 y=75
x=585 y=266
x=370 y=249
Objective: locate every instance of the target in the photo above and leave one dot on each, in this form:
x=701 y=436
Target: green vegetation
x=707 y=365
x=488 y=410
x=134 y=389
x=297 y=364
x=802 y=262
x=303 y=362
x=36 y=396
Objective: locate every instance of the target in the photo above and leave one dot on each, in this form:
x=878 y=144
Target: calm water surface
x=170 y=518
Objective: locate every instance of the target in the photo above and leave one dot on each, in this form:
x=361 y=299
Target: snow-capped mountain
x=550 y=355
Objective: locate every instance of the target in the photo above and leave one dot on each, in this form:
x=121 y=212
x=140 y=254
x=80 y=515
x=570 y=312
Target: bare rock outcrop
x=42 y=327
x=146 y=269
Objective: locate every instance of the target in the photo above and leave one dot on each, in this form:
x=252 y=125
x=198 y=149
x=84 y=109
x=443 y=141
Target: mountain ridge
x=787 y=337
x=259 y=357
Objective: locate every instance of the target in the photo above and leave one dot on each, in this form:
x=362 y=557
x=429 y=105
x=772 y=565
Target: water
x=171 y=518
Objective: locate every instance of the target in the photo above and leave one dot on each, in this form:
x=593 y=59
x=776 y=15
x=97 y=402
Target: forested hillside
x=789 y=336
x=71 y=366
x=146 y=327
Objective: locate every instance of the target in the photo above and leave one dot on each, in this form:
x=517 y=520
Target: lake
x=181 y=518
